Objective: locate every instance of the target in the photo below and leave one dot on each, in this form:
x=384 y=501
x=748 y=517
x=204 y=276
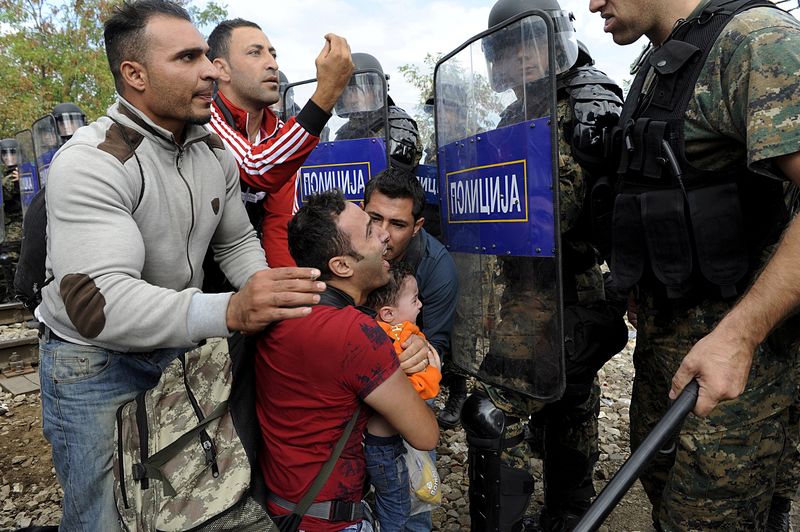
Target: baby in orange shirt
x=397 y=305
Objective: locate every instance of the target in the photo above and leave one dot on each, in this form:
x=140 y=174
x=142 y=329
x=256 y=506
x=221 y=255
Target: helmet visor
x=68 y=123
x=364 y=93
x=518 y=53
x=9 y=156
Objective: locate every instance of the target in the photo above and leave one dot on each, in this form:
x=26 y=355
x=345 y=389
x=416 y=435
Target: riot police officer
x=9 y=156
x=363 y=104
x=69 y=117
x=291 y=107
x=495 y=418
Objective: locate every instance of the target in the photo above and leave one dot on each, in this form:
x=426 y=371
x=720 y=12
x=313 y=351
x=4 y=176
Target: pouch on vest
x=719 y=235
x=667 y=233
x=668 y=61
x=627 y=252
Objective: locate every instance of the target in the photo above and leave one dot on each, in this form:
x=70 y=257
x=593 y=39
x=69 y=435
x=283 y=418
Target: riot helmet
x=291 y=107
x=69 y=118
x=519 y=51
x=9 y=153
x=364 y=92
x=584 y=56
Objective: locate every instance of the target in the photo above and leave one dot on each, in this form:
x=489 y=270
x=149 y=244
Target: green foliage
x=421 y=77
x=484 y=104
x=52 y=52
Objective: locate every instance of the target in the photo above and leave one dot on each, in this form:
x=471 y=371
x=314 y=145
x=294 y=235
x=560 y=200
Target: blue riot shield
x=28 y=174
x=353 y=145
x=496 y=135
x=45 y=144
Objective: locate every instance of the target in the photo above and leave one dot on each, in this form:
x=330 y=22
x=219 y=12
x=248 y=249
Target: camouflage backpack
x=179 y=463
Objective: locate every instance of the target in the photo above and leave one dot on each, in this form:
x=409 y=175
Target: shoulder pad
x=589 y=75
x=405 y=146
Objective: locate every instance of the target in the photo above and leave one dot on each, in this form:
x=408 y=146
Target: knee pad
x=499 y=492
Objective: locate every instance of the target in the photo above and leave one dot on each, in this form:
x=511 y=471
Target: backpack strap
x=292 y=521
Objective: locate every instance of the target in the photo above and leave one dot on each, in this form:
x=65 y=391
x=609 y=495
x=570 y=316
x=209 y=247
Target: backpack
x=182 y=461
x=29 y=279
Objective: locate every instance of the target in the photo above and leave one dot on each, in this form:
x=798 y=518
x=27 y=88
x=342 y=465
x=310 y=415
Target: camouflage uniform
x=12 y=209
x=9 y=249
x=567 y=427
x=723 y=472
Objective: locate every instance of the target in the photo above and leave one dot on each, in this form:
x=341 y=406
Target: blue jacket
x=438 y=290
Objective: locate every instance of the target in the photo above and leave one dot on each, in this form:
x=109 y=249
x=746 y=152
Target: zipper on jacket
x=121 y=458
x=178 y=160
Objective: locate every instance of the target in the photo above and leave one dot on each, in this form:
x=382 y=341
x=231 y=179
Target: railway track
x=17 y=355
x=13 y=313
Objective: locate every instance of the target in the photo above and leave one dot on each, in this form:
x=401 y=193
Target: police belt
x=328 y=510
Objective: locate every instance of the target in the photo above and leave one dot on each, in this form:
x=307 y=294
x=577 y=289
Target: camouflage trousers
x=722 y=470
x=788 y=480
x=564 y=437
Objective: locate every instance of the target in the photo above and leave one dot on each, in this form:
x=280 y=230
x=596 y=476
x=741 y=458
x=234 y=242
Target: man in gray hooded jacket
x=133 y=202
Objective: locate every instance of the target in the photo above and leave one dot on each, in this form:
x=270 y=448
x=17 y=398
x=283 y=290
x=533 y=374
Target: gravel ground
x=29 y=492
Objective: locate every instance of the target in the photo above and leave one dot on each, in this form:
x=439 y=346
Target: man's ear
x=387 y=313
x=340 y=266
x=134 y=75
x=223 y=68
x=418 y=225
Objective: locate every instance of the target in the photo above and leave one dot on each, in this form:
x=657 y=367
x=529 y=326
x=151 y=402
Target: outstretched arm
x=721 y=361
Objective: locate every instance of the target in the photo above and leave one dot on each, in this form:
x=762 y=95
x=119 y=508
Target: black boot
x=779 y=512
x=450 y=416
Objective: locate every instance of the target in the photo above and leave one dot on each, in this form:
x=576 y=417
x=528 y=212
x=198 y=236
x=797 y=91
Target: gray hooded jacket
x=131 y=214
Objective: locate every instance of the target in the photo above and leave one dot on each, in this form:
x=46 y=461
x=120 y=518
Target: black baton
x=630 y=470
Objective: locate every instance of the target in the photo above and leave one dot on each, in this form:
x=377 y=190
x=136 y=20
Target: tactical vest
x=677 y=228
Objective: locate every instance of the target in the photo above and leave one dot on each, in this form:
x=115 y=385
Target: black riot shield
x=353 y=146
x=28 y=175
x=46 y=142
x=495 y=109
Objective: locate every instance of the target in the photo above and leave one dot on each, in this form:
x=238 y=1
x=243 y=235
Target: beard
x=199 y=120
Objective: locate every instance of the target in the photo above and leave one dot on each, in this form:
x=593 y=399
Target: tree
x=53 y=52
x=482 y=107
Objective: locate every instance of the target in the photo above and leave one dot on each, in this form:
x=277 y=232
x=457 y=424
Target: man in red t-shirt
x=312 y=372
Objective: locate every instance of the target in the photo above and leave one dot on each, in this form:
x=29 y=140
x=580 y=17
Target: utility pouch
x=718 y=226
x=668 y=61
x=668 y=242
x=627 y=251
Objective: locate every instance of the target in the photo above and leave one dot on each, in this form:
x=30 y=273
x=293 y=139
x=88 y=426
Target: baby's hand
x=433 y=358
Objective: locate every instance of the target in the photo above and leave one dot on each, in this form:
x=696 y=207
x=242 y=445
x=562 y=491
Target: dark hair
x=220 y=38
x=124 y=31
x=314 y=237
x=387 y=294
x=397 y=183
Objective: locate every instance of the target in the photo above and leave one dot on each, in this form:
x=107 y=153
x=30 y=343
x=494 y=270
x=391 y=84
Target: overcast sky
x=402 y=32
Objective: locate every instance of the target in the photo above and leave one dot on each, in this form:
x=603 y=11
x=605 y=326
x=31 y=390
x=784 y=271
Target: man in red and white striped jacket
x=268 y=151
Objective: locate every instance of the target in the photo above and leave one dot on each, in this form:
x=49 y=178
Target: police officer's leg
x=570 y=454
x=649 y=402
x=788 y=479
x=724 y=470
x=500 y=485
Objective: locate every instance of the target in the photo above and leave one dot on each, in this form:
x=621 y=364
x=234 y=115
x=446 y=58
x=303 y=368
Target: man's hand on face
x=334 y=69
x=415 y=355
x=271 y=295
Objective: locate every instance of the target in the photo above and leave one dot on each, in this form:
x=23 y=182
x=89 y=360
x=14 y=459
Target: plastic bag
x=425 y=485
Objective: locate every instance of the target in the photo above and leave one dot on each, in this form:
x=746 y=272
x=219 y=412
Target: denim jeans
x=82 y=387
x=388 y=474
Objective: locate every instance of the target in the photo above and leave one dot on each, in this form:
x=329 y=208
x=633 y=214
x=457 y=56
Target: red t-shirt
x=311 y=373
